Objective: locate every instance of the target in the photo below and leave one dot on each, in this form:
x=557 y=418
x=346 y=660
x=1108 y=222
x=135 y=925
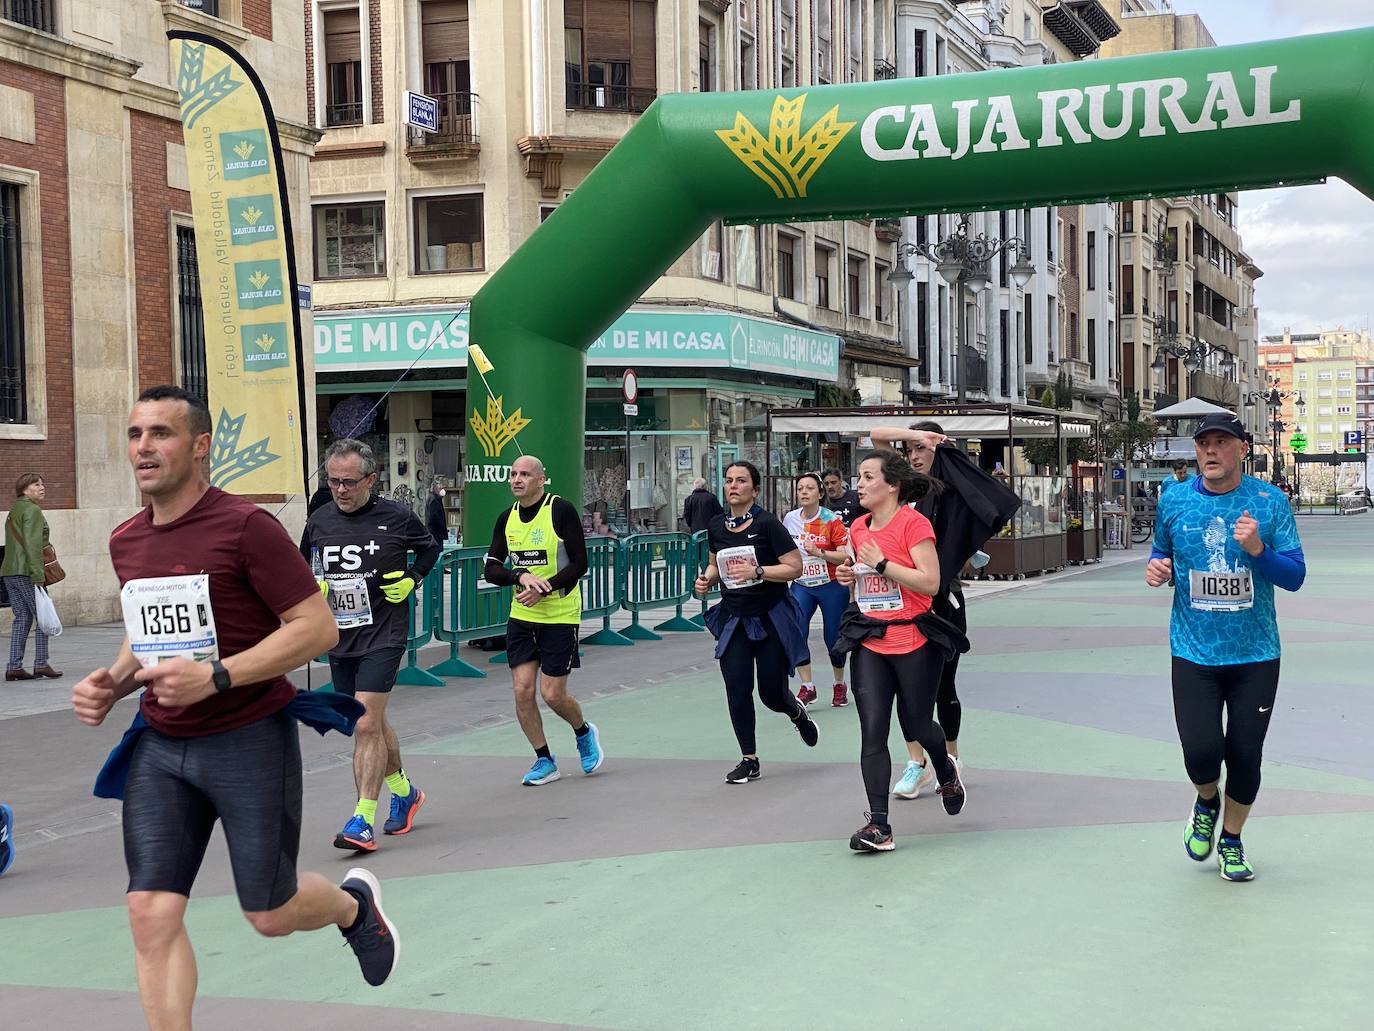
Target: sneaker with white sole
x=544 y=771
x=374 y=939
x=915 y=778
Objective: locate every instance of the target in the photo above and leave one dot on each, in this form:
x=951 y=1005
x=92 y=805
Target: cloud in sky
x=1308 y=240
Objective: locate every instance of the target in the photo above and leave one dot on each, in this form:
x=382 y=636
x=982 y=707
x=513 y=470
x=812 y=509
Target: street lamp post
x=962 y=261
x=1192 y=352
x=1273 y=400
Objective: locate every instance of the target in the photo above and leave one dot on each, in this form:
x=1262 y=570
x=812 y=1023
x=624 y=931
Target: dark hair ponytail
x=896 y=470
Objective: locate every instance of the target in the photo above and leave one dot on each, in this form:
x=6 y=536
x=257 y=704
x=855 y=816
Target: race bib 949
x=170 y=616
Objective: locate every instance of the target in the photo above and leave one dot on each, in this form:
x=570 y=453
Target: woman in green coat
x=26 y=534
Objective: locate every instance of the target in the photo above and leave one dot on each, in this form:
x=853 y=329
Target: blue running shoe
x=589 y=748
x=356 y=835
x=403 y=811
x=1200 y=831
x=544 y=771
x=6 y=838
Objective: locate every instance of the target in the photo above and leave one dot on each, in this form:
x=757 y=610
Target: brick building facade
x=93 y=207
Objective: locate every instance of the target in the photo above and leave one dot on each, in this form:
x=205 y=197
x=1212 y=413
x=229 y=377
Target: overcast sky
x=1310 y=240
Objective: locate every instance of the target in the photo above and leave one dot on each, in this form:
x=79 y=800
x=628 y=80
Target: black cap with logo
x=1222 y=422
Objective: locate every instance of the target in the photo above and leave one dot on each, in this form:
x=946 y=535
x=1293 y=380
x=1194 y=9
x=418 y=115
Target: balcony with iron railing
x=592 y=97
x=34 y=14
x=342 y=114
x=883 y=70
x=456 y=139
x=210 y=7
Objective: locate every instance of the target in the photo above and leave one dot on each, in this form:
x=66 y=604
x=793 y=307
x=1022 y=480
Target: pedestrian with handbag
x=30 y=565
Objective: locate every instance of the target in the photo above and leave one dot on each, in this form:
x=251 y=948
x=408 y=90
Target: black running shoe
x=952 y=792
x=806 y=727
x=747 y=770
x=872 y=838
x=374 y=940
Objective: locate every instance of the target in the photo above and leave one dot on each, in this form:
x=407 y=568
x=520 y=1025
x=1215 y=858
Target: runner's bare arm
x=788 y=568
x=710 y=576
x=888 y=436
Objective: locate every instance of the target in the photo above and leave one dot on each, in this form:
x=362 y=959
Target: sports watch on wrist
x=758 y=572
x=881 y=566
x=219 y=676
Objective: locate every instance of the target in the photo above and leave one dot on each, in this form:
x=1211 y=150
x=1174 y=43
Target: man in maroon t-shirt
x=218 y=607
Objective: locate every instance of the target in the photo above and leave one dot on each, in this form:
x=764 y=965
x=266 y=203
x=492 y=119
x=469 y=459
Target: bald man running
x=541 y=536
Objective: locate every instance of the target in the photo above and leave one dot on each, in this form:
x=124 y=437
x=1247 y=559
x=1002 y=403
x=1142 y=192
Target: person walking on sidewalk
x=1225 y=540
x=541 y=535
x=358 y=546
x=757 y=624
x=894 y=574
x=973 y=506
x=26 y=535
x=700 y=507
x=214 y=582
x=821 y=538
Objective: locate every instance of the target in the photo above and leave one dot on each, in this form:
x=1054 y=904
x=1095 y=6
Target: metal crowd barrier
x=471 y=608
x=660 y=569
x=702 y=557
x=603 y=589
x=424 y=604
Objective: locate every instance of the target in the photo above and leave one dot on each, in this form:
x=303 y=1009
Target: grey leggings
x=23 y=598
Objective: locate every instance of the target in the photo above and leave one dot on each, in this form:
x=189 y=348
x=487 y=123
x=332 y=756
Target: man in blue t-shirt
x=1225 y=541
x=1181 y=475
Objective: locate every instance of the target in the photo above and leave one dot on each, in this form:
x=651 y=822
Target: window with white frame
x=825 y=257
x=343 y=68
x=882 y=291
x=825 y=36
x=448 y=233
x=14 y=386
x=856 y=282
x=787 y=43
x=791 y=273
x=350 y=240
x=712 y=244
x=748 y=258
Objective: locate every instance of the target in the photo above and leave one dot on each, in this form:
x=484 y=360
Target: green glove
x=324 y=588
x=400 y=587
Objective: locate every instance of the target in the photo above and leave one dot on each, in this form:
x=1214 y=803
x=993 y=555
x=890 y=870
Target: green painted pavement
x=1069 y=927
x=686 y=719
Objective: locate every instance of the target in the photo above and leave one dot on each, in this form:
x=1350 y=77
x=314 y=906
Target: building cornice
x=41 y=50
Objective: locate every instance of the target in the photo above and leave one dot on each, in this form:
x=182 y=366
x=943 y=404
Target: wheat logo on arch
x=786 y=160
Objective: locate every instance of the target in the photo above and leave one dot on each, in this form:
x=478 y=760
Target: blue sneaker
x=403 y=811
x=6 y=838
x=356 y=835
x=544 y=771
x=589 y=748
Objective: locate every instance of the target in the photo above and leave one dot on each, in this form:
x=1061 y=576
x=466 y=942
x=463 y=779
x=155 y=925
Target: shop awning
x=981 y=425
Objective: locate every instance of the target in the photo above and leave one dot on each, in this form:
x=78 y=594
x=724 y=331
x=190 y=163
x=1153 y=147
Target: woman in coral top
x=822 y=539
x=893 y=575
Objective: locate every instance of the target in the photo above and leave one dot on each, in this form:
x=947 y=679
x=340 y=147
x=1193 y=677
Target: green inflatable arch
x=1227 y=118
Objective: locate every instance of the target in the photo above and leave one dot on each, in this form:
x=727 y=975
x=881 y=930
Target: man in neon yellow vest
x=541 y=537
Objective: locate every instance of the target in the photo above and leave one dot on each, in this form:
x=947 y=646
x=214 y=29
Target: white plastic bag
x=47 y=613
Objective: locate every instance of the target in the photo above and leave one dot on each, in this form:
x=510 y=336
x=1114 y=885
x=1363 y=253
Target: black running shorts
x=374 y=672
x=248 y=778
x=552 y=645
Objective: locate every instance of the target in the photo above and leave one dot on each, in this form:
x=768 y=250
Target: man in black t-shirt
x=839 y=498
x=357 y=545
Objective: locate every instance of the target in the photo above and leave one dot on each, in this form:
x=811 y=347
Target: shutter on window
x=643 y=59
x=341 y=37
x=608 y=30
x=444 y=30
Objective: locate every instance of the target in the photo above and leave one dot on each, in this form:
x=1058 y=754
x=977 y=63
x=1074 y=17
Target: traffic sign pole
x=629 y=389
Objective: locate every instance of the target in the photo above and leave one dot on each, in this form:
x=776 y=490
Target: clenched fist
x=1159 y=571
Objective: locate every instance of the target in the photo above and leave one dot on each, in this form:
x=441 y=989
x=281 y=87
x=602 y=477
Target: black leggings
x=737 y=665
x=910 y=679
x=948 y=711
x=1246 y=692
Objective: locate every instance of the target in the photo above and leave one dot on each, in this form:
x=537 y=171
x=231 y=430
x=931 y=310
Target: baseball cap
x=1221 y=422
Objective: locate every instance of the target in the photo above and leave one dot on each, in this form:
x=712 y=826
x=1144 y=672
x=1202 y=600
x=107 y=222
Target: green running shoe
x=1200 y=831
x=1231 y=861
